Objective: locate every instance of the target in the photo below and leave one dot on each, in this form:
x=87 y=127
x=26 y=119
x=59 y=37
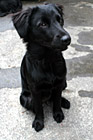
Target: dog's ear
x=21 y=22
x=60 y=9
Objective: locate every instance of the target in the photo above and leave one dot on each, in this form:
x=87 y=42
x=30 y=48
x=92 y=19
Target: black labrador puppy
x=43 y=69
x=9 y=6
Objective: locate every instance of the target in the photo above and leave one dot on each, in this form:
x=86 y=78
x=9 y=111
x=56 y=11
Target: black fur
x=43 y=69
x=9 y=6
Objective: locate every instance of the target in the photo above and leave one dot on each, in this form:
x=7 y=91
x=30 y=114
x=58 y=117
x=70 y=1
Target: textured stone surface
x=15 y=121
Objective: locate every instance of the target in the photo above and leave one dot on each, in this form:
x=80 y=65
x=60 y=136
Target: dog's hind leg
x=65 y=103
x=26 y=100
x=25 y=97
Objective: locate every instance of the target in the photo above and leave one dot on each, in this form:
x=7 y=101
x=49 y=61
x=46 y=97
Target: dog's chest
x=49 y=72
x=46 y=73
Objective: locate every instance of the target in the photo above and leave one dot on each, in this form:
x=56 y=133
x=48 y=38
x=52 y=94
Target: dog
x=9 y=6
x=43 y=69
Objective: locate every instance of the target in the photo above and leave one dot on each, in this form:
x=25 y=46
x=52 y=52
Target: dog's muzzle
x=61 y=42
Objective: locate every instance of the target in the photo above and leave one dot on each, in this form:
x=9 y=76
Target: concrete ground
x=15 y=121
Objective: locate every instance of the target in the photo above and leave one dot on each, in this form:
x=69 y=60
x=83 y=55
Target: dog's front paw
x=38 y=125
x=58 y=116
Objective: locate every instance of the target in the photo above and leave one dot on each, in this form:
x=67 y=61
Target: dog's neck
x=39 y=52
x=35 y=51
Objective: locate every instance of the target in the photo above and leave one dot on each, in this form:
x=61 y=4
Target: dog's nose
x=66 y=39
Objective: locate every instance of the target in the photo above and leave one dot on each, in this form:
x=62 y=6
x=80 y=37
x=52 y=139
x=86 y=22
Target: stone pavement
x=15 y=121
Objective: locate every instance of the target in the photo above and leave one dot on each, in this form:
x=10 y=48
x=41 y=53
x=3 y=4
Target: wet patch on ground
x=83 y=93
x=80 y=66
x=10 y=78
x=81 y=48
x=82 y=38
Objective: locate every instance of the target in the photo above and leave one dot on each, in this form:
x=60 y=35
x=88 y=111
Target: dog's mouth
x=60 y=46
x=52 y=44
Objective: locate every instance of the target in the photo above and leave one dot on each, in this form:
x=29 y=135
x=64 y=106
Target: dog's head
x=44 y=25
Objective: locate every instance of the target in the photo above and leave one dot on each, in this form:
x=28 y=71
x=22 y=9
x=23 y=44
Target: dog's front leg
x=38 y=122
x=57 y=111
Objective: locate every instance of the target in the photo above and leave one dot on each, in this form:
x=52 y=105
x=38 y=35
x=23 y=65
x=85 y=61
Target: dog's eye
x=42 y=24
